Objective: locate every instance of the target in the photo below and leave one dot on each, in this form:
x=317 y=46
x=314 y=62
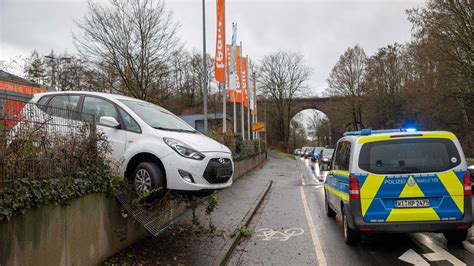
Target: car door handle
x=130 y=141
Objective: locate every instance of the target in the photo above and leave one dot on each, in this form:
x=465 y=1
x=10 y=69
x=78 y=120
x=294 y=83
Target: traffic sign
x=258 y=127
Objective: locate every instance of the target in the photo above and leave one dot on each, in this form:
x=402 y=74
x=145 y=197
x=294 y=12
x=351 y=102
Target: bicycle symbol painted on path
x=270 y=234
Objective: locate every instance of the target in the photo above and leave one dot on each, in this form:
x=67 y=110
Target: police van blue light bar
x=366 y=131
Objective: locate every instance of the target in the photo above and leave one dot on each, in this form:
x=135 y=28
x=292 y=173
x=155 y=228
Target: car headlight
x=183 y=149
x=326 y=159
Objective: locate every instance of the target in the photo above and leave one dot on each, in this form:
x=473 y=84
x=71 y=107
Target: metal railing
x=41 y=142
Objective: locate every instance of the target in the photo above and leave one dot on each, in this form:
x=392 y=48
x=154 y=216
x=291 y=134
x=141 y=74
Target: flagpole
x=248 y=105
x=224 y=91
x=234 y=89
x=242 y=120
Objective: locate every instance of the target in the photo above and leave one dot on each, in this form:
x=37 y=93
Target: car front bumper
x=174 y=162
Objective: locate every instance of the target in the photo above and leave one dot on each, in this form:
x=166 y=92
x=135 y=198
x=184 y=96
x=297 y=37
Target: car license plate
x=224 y=173
x=412 y=203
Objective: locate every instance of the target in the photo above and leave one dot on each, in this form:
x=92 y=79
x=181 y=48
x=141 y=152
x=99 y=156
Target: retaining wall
x=86 y=232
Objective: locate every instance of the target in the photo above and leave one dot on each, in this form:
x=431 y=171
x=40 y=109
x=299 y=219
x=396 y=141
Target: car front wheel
x=149 y=180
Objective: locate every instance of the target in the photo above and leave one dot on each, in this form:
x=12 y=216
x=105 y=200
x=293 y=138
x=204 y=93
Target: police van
x=399 y=181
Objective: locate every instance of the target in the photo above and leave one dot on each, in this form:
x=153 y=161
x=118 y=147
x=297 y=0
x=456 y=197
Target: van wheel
x=351 y=237
x=329 y=211
x=456 y=236
x=148 y=178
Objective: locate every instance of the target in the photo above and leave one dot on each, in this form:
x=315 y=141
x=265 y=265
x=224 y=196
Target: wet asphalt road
x=291 y=229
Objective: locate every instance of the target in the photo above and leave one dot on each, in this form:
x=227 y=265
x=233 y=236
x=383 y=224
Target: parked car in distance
x=297 y=152
x=323 y=171
x=308 y=152
x=303 y=151
x=153 y=148
x=326 y=155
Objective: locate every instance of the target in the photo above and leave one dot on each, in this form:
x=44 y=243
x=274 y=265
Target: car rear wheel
x=149 y=181
x=456 y=236
x=351 y=237
x=329 y=211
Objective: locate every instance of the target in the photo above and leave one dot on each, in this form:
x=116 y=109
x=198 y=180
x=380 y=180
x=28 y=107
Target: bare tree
x=282 y=77
x=386 y=77
x=137 y=38
x=346 y=79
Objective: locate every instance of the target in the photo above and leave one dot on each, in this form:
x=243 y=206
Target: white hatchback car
x=152 y=147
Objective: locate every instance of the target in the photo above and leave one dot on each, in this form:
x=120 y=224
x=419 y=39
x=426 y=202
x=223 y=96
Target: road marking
x=414 y=258
x=270 y=234
x=314 y=236
x=439 y=253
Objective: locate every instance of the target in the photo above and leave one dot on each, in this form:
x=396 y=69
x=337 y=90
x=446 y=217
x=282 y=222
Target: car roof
x=355 y=138
x=102 y=94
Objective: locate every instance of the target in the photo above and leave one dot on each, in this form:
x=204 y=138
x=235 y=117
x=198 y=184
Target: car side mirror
x=324 y=167
x=109 y=121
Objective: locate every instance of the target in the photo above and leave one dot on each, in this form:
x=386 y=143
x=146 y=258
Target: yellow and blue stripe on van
x=338 y=184
x=379 y=193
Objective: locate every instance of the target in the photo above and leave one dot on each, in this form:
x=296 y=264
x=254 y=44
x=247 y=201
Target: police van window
x=406 y=156
x=129 y=122
x=341 y=161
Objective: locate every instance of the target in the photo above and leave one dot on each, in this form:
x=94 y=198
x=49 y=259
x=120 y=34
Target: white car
x=153 y=147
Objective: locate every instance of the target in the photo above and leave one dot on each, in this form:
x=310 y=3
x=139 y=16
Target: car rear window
x=409 y=156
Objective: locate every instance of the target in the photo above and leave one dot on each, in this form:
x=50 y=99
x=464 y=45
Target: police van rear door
x=411 y=178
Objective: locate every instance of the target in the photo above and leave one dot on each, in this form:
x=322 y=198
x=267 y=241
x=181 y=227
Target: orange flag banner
x=220 y=57
x=237 y=95
x=228 y=49
x=244 y=83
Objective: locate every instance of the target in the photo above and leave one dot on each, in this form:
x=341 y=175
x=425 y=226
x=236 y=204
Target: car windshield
x=409 y=156
x=158 y=117
x=327 y=152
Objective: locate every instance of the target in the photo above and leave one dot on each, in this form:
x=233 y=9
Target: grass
x=282 y=153
x=470 y=160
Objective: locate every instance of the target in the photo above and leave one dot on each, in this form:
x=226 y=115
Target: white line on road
x=314 y=236
x=439 y=253
x=414 y=258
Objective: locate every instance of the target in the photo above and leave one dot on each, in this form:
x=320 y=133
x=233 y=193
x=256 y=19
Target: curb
x=468 y=246
x=469 y=243
x=224 y=255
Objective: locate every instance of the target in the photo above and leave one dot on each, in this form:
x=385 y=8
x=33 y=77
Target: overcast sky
x=320 y=30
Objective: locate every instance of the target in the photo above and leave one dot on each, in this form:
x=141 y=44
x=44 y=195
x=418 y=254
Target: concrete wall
x=244 y=166
x=86 y=232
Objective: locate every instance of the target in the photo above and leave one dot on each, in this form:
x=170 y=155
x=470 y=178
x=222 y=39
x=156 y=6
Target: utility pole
x=204 y=65
x=56 y=64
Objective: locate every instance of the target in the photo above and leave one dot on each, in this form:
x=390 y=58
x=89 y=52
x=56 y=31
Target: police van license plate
x=412 y=203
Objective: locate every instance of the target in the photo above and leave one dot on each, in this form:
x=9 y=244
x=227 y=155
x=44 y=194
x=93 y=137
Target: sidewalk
x=182 y=245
